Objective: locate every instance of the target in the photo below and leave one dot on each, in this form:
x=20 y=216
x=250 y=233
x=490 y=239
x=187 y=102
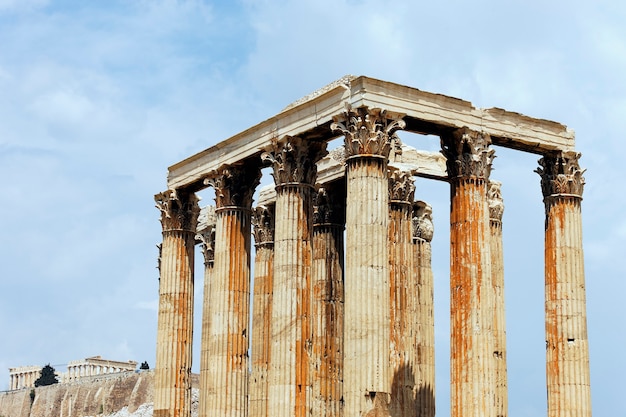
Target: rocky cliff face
x=128 y=394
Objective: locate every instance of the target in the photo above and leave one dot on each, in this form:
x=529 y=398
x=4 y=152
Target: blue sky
x=97 y=99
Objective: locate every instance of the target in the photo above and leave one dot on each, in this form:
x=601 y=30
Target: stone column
x=567 y=348
x=327 y=301
x=496 y=209
x=206 y=236
x=366 y=318
x=293 y=160
x=403 y=294
x=471 y=347
x=425 y=316
x=263 y=231
x=229 y=306
x=172 y=373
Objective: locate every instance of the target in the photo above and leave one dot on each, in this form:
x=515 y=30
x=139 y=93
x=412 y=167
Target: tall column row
x=352 y=333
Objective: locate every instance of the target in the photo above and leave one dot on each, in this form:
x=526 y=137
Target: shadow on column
x=408 y=401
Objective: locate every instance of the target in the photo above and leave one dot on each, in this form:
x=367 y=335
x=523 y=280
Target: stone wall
x=125 y=394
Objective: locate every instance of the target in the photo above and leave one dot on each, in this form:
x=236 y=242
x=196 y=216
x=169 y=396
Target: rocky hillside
x=128 y=394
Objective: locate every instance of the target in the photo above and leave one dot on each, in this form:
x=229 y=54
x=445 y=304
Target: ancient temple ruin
x=342 y=300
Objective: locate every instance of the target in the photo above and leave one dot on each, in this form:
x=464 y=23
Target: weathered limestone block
x=366 y=318
x=496 y=209
x=294 y=169
x=471 y=346
x=206 y=237
x=424 y=335
x=263 y=222
x=229 y=306
x=403 y=296
x=172 y=388
x=567 y=346
x=327 y=301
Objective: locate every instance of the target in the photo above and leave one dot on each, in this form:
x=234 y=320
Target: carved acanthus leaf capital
x=263 y=224
x=422 y=221
x=179 y=210
x=234 y=184
x=206 y=233
x=328 y=207
x=561 y=174
x=401 y=186
x=294 y=159
x=494 y=197
x=468 y=153
x=367 y=131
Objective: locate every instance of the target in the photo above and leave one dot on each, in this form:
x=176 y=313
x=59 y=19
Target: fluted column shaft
x=403 y=297
x=172 y=375
x=567 y=348
x=227 y=391
x=367 y=385
x=293 y=161
x=263 y=222
x=471 y=321
x=206 y=236
x=327 y=302
x=424 y=318
x=496 y=210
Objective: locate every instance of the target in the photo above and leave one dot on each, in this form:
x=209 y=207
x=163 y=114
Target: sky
x=97 y=99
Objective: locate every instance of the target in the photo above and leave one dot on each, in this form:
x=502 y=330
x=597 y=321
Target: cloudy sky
x=97 y=99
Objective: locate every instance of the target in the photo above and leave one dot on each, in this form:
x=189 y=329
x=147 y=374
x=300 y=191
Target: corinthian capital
x=294 y=159
x=206 y=233
x=401 y=187
x=263 y=224
x=561 y=174
x=468 y=153
x=496 y=204
x=179 y=210
x=329 y=206
x=234 y=184
x=422 y=221
x=367 y=131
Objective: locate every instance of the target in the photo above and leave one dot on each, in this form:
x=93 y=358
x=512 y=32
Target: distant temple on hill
x=25 y=376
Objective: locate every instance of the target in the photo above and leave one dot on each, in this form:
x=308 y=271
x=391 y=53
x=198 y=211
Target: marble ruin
x=25 y=376
x=342 y=286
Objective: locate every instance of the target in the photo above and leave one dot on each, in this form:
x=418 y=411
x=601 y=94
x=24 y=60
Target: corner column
x=403 y=297
x=472 y=366
x=567 y=346
x=172 y=374
x=327 y=301
x=496 y=210
x=368 y=135
x=423 y=231
x=263 y=230
x=227 y=392
x=294 y=163
x=206 y=237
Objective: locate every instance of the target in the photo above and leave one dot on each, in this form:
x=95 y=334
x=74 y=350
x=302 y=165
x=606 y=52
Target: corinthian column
x=402 y=282
x=327 y=301
x=263 y=222
x=567 y=349
x=293 y=160
x=368 y=135
x=471 y=347
x=206 y=236
x=496 y=209
x=425 y=316
x=172 y=373
x=229 y=306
